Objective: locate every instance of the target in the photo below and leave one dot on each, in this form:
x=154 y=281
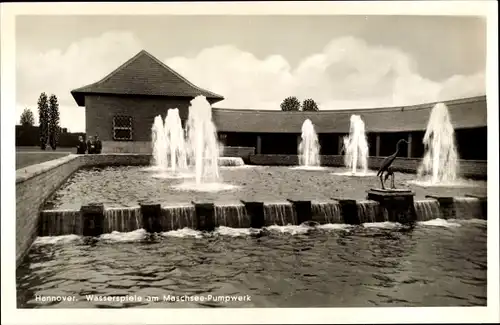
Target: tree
x=309 y=105
x=290 y=104
x=54 y=127
x=27 y=118
x=43 y=118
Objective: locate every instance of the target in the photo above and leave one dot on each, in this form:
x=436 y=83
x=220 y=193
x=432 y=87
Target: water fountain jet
x=440 y=161
x=440 y=165
x=159 y=142
x=176 y=147
x=169 y=149
x=202 y=149
x=202 y=141
x=309 y=147
x=356 y=149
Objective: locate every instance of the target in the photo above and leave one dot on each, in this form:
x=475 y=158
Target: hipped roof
x=144 y=75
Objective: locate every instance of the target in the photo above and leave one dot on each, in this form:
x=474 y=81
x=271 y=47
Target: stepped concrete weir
x=124 y=220
x=483 y=201
x=397 y=203
x=178 y=216
x=95 y=219
x=60 y=222
x=371 y=211
x=327 y=211
x=280 y=213
x=446 y=205
x=427 y=209
x=467 y=207
x=231 y=214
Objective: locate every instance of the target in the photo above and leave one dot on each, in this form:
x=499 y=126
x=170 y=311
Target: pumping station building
x=121 y=108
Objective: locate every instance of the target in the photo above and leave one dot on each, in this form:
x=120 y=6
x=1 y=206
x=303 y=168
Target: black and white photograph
x=240 y=163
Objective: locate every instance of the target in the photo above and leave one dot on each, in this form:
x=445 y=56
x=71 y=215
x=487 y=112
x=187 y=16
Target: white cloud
x=58 y=72
x=347 y=73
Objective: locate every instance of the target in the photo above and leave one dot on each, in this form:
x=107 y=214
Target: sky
x=256 y=61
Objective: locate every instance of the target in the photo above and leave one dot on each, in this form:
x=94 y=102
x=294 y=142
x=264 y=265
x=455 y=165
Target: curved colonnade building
x=121 y=108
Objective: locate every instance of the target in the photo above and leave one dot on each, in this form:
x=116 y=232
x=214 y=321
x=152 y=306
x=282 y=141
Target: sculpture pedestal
x=396 y=203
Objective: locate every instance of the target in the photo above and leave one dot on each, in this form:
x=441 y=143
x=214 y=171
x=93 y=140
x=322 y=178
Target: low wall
x=468 y=168
x=154 y=217
x=242 y=152
x=145 y=147
x=35 y=184
x=140 y=147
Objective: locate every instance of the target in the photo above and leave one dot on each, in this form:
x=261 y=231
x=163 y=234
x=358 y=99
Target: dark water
x=283 y=267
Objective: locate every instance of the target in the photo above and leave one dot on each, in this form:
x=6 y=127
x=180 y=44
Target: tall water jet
x=440 y=162
x=159 y=143
x=203 y=147
x=356 y=146
x=175 y=142
x=309 y=146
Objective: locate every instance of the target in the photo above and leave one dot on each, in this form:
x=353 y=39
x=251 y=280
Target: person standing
x=91 y=145
x=81 y=147
x=98 y=144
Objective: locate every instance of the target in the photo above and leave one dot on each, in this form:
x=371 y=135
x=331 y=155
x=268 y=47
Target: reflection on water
x=439 y=263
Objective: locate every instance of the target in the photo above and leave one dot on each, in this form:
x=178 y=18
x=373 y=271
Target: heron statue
x=385 y=167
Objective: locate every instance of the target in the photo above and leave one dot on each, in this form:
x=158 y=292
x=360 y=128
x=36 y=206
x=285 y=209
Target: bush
x=290 y=104
x=310 y=105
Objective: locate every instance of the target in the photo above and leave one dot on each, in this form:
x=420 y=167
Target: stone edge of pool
x=36 y=183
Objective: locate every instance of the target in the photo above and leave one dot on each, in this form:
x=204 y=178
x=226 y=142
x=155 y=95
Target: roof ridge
x=180 y=76
x=415 y=107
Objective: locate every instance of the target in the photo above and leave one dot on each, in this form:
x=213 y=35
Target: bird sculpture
x=385 y=167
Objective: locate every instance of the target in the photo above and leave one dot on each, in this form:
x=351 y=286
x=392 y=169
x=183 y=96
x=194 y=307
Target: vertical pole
x=259 y=144
x=256 y=212
x=303 y=210
x=349 y=211
x=205 y=216
x=410 y=138
x=151 y=214
x=377 y=145
x=340 y=144
x=93 y=219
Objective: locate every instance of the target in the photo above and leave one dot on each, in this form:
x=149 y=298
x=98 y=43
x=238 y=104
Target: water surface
x=127 y=186
x=439 y=263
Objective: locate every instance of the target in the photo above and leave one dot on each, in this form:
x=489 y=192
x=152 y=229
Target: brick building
x=122 y=106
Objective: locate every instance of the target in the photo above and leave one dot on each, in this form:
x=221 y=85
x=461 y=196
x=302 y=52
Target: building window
x=122 y=128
